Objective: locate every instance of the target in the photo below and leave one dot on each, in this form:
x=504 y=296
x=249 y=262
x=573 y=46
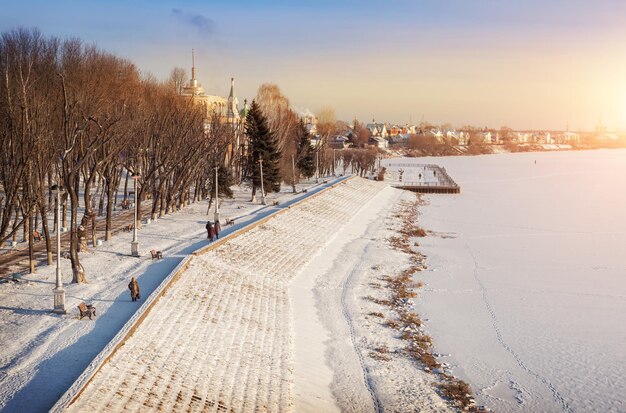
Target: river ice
x=525 y=289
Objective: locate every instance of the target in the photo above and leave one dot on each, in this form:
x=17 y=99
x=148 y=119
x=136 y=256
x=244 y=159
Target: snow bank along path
x=337 y=338
x=220 y=338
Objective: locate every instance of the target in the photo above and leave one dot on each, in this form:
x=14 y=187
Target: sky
x=525 y=64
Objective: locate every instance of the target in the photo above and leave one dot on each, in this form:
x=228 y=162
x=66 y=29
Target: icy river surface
x=526 y=284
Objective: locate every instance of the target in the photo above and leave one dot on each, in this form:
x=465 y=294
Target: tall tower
x=193 y=82
x=232 y=111
x=193 y=88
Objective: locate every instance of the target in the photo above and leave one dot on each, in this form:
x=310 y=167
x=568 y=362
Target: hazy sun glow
x=532 y=64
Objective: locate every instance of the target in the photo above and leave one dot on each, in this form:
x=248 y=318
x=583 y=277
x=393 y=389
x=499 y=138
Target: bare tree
x=326 y=124
x=283 y=123
x=360 y=134
x=177 y=79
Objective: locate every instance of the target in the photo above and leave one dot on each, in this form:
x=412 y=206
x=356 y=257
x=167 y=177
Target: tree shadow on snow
x=28 y=311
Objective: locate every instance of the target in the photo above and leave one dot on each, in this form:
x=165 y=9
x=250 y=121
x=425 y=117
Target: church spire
x=232 y=88
x=232 y=111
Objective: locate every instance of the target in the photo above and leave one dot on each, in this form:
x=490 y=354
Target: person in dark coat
x=133 y=286
x=211 y=231
x=208 y=229
x=218 y=229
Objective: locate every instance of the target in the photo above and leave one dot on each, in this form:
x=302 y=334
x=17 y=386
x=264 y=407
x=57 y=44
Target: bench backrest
x=82 y=307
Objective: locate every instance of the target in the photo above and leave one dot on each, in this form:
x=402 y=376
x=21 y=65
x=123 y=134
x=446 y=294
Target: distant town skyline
x=527 y=65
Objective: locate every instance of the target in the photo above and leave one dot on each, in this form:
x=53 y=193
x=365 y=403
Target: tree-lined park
x=75 y=117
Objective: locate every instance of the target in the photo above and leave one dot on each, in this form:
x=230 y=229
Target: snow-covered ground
x=275 y=319
x=526 y=288
x=41 y=353
x=234 y=334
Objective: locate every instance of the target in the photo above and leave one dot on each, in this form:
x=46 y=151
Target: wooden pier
x=425 y=179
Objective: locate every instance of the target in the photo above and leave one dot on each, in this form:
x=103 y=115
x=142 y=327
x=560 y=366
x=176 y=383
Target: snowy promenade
x=222 y=337
x=43 y=354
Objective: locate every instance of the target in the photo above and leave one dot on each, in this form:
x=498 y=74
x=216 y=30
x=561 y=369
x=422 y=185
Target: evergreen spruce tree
x=262 y=145
x=304 y=153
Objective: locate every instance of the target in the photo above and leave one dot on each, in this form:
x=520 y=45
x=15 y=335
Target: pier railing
x=443 y=183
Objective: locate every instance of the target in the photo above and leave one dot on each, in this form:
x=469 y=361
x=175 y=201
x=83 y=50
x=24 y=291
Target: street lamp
x=217 y=200
x=262 y=190
x=317 y=165
x=134 y=245
x=59 y=292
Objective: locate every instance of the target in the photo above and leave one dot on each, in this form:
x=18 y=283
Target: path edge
x=79 y=385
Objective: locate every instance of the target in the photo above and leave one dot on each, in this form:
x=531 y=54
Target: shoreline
x=525 y=281
x=372 y=370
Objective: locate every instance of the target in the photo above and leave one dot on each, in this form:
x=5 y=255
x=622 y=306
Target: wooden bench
x=230 y=221
x=156 y=255
x=125 y=204
x=86 y=310
x=128 y=228
x=36 y=235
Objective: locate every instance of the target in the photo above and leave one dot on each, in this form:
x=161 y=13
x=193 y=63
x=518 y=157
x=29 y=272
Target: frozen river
x=526 y=287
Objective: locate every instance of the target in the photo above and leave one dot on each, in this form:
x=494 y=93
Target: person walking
x=133 y=286
x=211 y=231
x=218 y=229
x=208 y=229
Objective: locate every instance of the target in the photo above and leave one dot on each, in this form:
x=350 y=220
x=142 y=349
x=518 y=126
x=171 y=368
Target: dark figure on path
x=420 y=176
x=133 y=286
x=210 y=231
x=218 y=229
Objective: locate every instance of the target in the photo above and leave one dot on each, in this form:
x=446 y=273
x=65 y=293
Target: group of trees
x=78 y=117
x=299 y=157
x=86 y=120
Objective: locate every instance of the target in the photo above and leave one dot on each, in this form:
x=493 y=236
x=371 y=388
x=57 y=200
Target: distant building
x=400 y=140
x=394 y=130
x=379 y=142
x=339 y=142
x=226 y=108
x=378 y=129
x=571 y=138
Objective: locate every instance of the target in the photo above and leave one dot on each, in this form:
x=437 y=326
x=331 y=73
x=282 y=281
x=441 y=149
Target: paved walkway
x=221 y=338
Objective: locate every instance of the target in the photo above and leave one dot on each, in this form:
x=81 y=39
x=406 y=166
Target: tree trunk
x=64 y=215
x=138 y=206
x=126 y=187
x=56 y=218
x=101 y=203
x=31 y=251
x=26 y=228
x=46 y=234
x=111 y=196
x=78 y=272
x=93 y=229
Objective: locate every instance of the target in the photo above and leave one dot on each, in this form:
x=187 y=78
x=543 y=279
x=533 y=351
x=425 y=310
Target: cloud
x=203 y=25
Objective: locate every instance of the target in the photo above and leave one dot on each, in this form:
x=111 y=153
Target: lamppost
x=217 y=199
x=317 y=166
x=334 y=174
x=134 y=245
x=59 y=292
x=262 y=190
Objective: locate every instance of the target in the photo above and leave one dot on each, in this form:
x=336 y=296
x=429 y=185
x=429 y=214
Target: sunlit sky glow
x=528 y=64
